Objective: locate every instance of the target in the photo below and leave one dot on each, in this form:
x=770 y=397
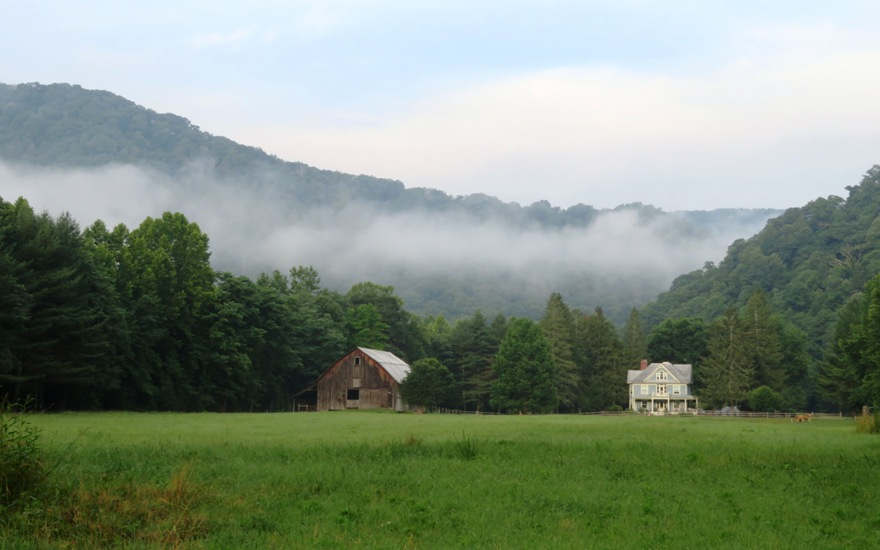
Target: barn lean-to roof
x=393 y=365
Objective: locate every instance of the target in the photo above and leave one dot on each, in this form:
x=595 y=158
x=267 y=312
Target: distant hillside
x=361 y=227
x=810 y=261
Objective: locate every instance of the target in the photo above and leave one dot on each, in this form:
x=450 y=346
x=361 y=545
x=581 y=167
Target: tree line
x=138 y=320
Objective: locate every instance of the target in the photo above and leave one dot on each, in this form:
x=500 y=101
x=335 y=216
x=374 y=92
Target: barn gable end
x=363 y=379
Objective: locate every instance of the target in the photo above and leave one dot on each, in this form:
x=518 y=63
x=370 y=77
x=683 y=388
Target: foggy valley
x=250 y=233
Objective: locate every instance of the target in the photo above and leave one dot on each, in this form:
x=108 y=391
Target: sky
x=682 y=104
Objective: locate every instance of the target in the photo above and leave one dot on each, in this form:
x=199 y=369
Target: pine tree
x=728 y=370
x=474 y=347
x=601 y=363
x=632 y=337
x=764 y=337
x=558 y=328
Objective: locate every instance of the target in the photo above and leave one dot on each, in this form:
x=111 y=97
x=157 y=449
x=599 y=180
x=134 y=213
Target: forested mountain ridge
x=65 y=126
x=809 y=261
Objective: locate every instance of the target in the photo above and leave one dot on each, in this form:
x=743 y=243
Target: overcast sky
x=680 y=104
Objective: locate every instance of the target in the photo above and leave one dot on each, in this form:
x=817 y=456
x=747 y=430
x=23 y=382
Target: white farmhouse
x=661 y=388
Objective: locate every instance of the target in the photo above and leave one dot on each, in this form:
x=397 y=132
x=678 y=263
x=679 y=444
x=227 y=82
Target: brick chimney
x=644 y=364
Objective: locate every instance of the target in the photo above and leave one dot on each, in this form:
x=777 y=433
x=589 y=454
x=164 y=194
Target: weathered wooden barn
x=363 y=379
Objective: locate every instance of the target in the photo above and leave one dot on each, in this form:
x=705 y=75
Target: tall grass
x=21 y=467
x=869 y=423
x=373 y=480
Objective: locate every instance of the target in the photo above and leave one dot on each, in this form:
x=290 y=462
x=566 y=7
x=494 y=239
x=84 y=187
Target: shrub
x=765 y=399
x=21 y=469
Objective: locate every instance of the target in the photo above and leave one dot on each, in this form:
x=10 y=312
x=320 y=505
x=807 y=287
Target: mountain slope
x=810 y=260
x=444 y=254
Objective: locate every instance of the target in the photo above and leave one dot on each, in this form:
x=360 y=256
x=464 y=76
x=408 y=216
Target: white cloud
x=588 y=134
x=212 y=39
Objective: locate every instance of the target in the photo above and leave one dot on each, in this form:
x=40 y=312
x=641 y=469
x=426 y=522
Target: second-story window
x=661 y=389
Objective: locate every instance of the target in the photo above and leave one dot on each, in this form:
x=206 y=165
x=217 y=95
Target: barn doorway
x=353 y=398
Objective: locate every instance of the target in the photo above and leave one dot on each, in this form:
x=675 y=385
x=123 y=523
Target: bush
x=764 y=399
x=20 y=466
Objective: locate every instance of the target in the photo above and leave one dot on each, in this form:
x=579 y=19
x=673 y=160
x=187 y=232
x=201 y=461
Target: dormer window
x=661 y=375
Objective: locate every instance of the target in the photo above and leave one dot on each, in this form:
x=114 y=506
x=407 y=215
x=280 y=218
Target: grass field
x=385 y=480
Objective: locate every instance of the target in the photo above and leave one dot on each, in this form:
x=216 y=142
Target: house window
x=661 y=375
x=661 y=389
x=353 y=394
x=676 y=390
x=644 y=388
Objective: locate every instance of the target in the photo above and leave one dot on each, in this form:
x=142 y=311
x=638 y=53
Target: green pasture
x=386 y=480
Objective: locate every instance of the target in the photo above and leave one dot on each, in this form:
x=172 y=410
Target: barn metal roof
x=394 y=365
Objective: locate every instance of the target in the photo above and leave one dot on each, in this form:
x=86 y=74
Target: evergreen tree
x=474 y=348
x=839 y=375
x=55 y=347
x=14 y=304
x=763 y=332
x=526 y=378
x=310 y=325
x=558 y=328
x=728 y=370
x=601 y=363
x=635 y=347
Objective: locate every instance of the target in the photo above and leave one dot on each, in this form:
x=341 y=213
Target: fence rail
x=712 y=413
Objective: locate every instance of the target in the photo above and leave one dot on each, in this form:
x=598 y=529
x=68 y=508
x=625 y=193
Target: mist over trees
x=99 y=156
x=138 y=319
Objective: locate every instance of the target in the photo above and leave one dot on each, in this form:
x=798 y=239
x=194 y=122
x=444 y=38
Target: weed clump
x=21 y=467
x=466 y=448
x=869 y=423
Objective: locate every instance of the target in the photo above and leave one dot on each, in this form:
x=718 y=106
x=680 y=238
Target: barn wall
x=376 y=387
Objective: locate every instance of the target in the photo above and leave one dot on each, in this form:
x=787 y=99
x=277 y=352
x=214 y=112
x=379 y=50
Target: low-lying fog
x=249 y=235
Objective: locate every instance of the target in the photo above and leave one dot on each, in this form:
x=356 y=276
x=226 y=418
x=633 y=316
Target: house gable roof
x=678 y=374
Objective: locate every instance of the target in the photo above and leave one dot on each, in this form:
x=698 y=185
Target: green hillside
x=810 y=261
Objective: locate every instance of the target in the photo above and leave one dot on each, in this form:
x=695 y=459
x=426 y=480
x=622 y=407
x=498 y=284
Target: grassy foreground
x=385 y=480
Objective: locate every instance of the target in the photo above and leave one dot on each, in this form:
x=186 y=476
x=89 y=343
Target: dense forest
x=363 y=219
x=138 y=319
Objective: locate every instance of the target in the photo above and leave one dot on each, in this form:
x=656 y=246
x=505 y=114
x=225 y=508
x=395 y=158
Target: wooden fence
x=712 y=413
